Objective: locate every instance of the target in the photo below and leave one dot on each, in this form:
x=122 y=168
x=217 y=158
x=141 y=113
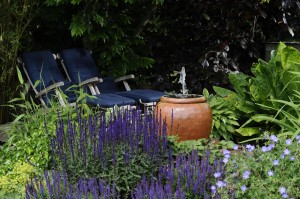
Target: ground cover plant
x=269 y=171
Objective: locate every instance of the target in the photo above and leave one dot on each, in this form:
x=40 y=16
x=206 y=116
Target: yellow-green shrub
x=15 y=180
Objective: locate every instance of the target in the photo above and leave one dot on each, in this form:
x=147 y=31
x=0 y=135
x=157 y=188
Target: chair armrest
x=49 y=88
x=124 y=78
x=91 y=81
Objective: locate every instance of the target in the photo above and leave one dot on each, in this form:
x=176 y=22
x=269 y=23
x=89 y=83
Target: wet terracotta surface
x=189 y=118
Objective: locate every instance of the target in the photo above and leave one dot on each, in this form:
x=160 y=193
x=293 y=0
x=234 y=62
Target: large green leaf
x=240 y=82
x=223 y=92
x=248 y=131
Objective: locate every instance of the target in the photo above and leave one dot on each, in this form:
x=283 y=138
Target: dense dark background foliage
x=212 y=37
x=152 y=39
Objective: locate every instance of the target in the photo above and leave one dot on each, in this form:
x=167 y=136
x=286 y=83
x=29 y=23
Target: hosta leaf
x=248 y=131
x=223 y=92
x=217 y=124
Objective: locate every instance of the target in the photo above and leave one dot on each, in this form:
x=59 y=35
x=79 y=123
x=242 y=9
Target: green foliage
x=263 y=95
x=225 y=117
x=184 y=147
x=287 y=117
x=112 y=31
x=14 y=22
x=28 y=139
x=13 y=183
x=273 y=170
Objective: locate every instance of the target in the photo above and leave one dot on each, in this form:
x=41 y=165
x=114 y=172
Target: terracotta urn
x=188 y=116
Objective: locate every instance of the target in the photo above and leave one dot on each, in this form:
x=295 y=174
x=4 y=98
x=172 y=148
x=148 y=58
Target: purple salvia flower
x=48 y=184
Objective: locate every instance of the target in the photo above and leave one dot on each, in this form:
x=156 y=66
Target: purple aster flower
x=285 y=195
x=282 y=156
x=274 y=138
x=270 y=173
x=236 y=147
x=243 y=188
x=225 y=152
x=213 y=188
x=271 y=146
x=298 y=137
x=286 y=152
x=250 y=147
x=221 y=184
x=288 y=142
x=225 y=160
x=246 y=174
x=292 y=158
x=276 y=162
x=264 y=149
x=217 y=174
x=282 y=190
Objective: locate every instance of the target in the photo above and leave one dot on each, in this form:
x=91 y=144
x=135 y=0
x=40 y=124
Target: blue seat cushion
x=145 y=95
x=107 y=100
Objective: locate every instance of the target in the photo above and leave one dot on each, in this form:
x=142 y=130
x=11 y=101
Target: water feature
x=184 y=90
x=182 y=74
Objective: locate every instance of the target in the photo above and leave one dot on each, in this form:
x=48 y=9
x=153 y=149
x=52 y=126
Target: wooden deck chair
x=79 y=61
x=42 y=66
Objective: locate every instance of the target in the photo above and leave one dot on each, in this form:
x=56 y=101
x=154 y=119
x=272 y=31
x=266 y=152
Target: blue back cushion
x=80 y=64
x=41 y=65
x=108 y=85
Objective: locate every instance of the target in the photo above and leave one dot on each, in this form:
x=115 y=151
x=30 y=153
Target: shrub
x=15 y=181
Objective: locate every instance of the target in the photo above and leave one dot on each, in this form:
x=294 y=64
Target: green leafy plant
x=13 y=183
x=14 y=23
x=255 y=95
x=225 y=117
x=287 y=117
x=201 y=146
